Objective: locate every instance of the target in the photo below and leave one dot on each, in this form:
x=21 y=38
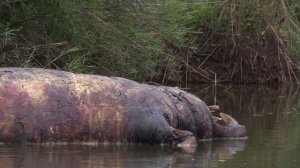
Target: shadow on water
x=271 y=115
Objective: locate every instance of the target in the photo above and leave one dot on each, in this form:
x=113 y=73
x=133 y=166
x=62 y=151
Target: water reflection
x=36 y=156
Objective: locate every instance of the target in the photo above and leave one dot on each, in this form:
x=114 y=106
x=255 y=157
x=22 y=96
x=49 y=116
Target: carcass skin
x=42 y=105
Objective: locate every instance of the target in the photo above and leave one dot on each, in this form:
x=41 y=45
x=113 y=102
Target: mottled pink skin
x=40 y=121
x=38 y=105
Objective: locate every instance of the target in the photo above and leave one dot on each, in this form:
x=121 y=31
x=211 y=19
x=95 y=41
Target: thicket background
x=244 y=41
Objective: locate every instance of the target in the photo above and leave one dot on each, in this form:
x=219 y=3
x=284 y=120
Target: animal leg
x=183 y=138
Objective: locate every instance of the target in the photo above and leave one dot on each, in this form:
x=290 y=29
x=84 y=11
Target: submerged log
x=39 y=105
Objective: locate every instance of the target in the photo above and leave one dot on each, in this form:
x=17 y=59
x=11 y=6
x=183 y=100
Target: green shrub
x=155 y=40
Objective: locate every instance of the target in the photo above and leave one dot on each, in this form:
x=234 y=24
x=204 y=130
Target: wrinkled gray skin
x=39 y=105
x=192 y=114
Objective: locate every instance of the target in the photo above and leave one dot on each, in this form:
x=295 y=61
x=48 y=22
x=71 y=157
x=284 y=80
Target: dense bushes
x=158 y=40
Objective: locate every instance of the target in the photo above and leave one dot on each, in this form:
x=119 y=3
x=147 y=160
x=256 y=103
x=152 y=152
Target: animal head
x=227 y=126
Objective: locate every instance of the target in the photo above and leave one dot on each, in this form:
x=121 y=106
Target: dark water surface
x=271 y=115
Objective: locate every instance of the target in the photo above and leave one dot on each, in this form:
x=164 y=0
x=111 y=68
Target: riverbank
x=159 y=41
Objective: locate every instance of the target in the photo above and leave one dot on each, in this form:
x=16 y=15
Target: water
x=271 y=115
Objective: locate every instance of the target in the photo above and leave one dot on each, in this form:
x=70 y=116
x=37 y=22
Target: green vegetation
x=245 y=41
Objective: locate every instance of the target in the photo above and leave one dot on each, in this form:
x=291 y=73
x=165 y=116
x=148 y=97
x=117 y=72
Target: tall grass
x=247 y=41
x=155 y=40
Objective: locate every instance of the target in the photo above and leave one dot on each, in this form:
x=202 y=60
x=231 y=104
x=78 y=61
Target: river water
x=271 y=115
